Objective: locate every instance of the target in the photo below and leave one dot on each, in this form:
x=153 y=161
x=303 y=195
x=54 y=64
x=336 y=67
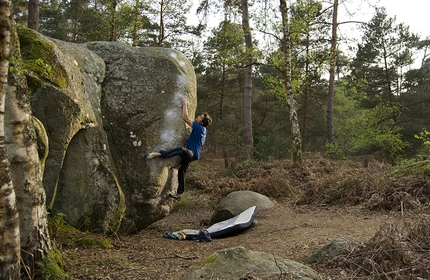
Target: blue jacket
x=197 y=139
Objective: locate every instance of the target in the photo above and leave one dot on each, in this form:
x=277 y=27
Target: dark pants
x=187 y=156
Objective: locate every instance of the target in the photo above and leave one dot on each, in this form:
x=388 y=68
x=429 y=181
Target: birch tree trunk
x=9 y=218
x=291 y=102
x=247 y=91
x=330 y=124
x=25 y=168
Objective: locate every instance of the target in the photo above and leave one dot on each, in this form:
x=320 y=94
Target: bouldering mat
x=222 y=229
x=233 y=225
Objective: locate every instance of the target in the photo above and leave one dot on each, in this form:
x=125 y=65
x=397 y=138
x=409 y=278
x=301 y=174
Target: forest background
x=377 y=104
x=279 y=79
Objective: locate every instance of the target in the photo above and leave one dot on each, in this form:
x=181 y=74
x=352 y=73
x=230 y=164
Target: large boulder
x=141 y=113
x=237 y=202
x=103 y=105
x=238 y=263
x=79 y=176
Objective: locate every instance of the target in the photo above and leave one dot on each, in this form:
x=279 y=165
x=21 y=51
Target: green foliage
x=45 y=66
x=136 y=22
x=362 y=131
x=276 y=87
x=16 y=70
x=56 y=224
x=378 y=83
x=424 y=136
x=75 y=21
x=70 y=236
x=377 y=71
x=412 y=170
x=385 y=49
x=59 y=229
x=227 y=45
x=20 y=12
x=377 y=130
x=84 y=223
x=346 y=110
x=229 y=137
x=271 y=146
x=173 y=16
x=309 y=37
x=334 y=151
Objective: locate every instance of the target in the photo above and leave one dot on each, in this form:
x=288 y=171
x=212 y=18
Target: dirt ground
x=284 y=231
x=288 y=230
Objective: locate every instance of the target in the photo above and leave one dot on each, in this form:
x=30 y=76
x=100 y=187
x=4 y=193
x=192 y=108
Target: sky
x=414 y=13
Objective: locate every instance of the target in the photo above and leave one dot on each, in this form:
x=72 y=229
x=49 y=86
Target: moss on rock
x=209 y=260
x=39 y=56
x=52 y=267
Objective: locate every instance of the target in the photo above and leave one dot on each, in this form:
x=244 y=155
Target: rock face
x=103 y=106
x=337 y=247
x=239 y=263
x=141 y=113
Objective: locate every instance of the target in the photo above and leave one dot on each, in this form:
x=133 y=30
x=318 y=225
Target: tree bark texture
x=113 y=23
x=306 y=96
x=295 y=127
x=247 y=91
x=33 y=14
x=161 y=33
x=9 y=218
x=136 y=21
x=25 y=169
x=330 y=99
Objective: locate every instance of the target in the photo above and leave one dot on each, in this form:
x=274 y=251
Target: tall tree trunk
x=9 y=218
x=163 y=4
x=247 y=91
x=113 y=23
x=225 y=152
x=26 y=169
x=33 y=14
x=306 y=96
x=330 y=125
x=136 y=21
x=295 y=127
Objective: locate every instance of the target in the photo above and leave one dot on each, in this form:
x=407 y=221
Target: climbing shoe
x=150 y=155
x=174 y=197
